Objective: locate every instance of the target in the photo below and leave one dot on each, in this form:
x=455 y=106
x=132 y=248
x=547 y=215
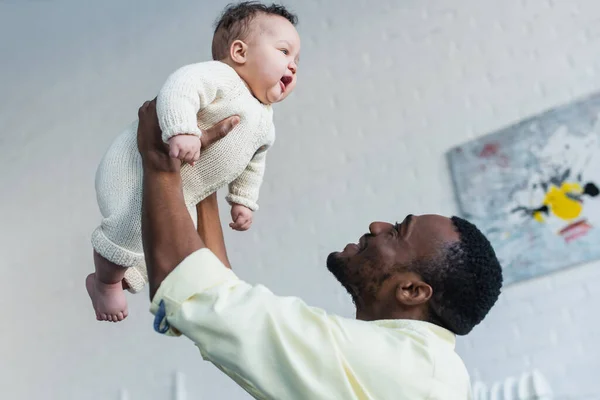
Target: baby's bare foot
x=109 y=300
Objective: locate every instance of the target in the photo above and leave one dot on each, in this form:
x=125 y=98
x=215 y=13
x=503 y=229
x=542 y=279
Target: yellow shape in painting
x=560 y=204
x=538 y=216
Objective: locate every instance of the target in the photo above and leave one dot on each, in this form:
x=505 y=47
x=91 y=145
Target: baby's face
x=272 y=58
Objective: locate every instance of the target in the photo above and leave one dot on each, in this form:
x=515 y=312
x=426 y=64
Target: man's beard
x=340 y=270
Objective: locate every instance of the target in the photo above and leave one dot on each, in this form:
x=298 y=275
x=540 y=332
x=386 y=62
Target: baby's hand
x=185 y=147
x=241 y=217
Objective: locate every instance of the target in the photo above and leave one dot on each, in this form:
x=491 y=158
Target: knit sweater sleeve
x=187 y=91
x=245 y=188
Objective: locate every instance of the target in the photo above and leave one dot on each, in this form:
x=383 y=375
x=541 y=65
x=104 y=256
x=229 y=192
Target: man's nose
x=379 y=227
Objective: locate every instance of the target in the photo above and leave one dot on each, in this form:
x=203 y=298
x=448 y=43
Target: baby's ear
x=238 y=52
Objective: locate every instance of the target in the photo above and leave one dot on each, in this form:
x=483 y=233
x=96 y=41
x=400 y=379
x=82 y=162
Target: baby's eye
x=284 y=51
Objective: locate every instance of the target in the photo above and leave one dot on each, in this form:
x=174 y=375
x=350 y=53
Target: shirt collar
x=422 y=327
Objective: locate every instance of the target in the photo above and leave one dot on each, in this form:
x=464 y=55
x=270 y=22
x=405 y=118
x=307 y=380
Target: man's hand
x=241 y=217
x=150 y=144
x=155 y=152
x=185 y=148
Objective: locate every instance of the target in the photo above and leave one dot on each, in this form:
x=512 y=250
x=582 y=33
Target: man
x=415 y=285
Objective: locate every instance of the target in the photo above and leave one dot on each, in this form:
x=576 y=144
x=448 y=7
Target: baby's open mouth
x=286 y=80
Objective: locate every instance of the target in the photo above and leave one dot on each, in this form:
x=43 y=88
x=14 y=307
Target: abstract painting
x=533 y=188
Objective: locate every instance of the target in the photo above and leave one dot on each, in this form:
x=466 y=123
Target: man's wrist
x=160 y=162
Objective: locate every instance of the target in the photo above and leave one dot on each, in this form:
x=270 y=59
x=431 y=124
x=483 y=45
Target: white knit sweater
x=194 y=97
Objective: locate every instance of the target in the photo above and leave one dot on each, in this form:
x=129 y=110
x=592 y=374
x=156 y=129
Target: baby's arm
x=245 y=188
x=185 y=92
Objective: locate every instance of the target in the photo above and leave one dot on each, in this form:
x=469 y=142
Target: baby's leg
x=106 y=290
x=117 y=241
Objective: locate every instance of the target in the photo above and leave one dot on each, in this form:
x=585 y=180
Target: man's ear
x=412 y=291
x=238 y=52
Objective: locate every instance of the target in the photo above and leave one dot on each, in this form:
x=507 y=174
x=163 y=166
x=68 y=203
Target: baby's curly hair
x=234 y=24
x=466 y=280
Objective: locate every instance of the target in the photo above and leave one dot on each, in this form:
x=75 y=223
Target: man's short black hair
x=235 y=21
x=466 y=281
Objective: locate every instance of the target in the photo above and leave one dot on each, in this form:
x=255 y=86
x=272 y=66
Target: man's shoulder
x=395 y=340
x=411 y=360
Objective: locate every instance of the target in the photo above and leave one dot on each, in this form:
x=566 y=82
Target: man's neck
x=377 y=314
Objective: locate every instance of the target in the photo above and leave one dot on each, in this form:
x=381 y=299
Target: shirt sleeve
x=187 y=91
x=273 y=347
x=245 y=188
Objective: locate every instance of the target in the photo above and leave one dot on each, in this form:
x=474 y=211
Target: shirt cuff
x=199 y=271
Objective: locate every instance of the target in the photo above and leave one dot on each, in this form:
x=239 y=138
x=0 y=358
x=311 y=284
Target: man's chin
x=332 y=260
x=337 y=266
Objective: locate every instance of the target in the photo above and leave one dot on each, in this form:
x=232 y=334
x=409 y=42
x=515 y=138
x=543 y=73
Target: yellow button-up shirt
x=280 y=348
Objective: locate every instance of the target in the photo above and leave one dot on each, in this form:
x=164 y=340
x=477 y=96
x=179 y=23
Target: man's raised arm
x=274 y=347
x=168 y=233
x=210 y=228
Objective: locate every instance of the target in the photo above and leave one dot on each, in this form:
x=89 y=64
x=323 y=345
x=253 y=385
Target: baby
x=255 y=53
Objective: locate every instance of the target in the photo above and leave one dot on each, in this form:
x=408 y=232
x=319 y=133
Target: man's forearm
x=210 y=228
x=168 y=232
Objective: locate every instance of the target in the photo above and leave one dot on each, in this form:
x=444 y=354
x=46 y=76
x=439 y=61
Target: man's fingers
x=228 y=126
x=219 y=131
x=150 y=104
x=142 y=109
x=222 y=128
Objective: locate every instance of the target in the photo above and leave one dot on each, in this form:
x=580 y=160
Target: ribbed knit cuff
x=136 y=278
x=113 y=252
x=136 y=275
x=236 y=199
x=171 y=131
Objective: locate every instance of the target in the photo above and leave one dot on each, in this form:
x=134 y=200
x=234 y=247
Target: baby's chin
x=275 y=95
x=277 y=98
x=265 y=98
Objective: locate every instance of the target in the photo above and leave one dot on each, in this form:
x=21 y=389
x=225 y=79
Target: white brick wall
x=398 y=83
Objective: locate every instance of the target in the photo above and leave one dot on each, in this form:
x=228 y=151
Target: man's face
x=363 y=266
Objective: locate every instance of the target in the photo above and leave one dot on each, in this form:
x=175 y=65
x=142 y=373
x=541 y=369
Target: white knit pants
x=119 y=195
